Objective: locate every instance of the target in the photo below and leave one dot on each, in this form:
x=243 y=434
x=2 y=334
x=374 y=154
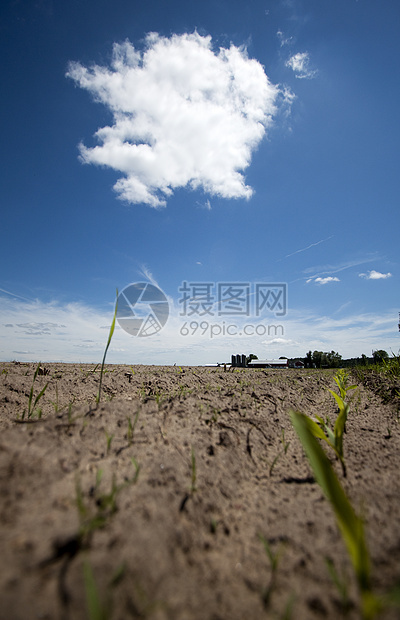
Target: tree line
x=332 y=359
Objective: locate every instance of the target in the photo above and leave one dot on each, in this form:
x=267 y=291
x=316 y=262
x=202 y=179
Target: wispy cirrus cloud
x=308 y=247
x=375 y=275
x=300 y=64
x=184 y=115
x=3 y=290
x=329 y=269
x=283 y=39
x=145 y=272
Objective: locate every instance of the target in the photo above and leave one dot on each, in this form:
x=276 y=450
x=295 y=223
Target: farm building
x=240 y=361
x=296 y=364
x=268 y=364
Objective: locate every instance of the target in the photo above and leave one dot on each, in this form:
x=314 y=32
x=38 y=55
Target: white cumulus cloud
x=375 y=275
x=300 y=64
x=323 y=280
x=184 y=115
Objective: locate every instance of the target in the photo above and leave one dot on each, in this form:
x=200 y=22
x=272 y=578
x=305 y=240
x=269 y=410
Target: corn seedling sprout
x=322 y=430
x=350 y=525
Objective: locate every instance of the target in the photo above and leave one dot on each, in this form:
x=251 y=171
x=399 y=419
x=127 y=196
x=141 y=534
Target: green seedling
x=341 y=584
x=213 y=525
x=287 y=612
x=184 y=391
x=97 y=609
x=106 y=504
x=131 y=428
x=137 y=470
x=89 y=522
x=215 y=415
x=109 y=440
x=285 y=444
x=110 y=335
x=159 y=397
x=31 y=407
x=274 y=560
x=99 y=476
x=350 y=525
x=341 y=379
x=70 y=418
x=118 y=575
x=322 y=430
x=274 y=462
x=391 y=366
x=89 y=372
x=56 y=405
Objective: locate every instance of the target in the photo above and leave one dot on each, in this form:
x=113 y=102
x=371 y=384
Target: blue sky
x=219 y=142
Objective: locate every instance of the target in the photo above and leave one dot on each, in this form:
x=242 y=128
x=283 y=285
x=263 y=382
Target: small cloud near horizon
x=375 y=275
x=278 y=341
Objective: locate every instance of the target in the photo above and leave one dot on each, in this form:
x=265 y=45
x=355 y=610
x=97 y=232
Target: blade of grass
x=110 y=335
x=96 y=609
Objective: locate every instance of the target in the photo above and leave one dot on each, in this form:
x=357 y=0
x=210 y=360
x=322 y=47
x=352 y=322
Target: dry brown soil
x=163 y=492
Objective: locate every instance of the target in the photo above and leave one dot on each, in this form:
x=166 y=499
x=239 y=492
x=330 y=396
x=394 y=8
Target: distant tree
x=317 y=358
x=333 y=359
x=283 y=357
x=379 y=356
x=308 y=361
x=322 y=359
x=251 y=357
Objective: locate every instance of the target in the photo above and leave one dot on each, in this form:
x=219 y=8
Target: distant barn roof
x=268 y=362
